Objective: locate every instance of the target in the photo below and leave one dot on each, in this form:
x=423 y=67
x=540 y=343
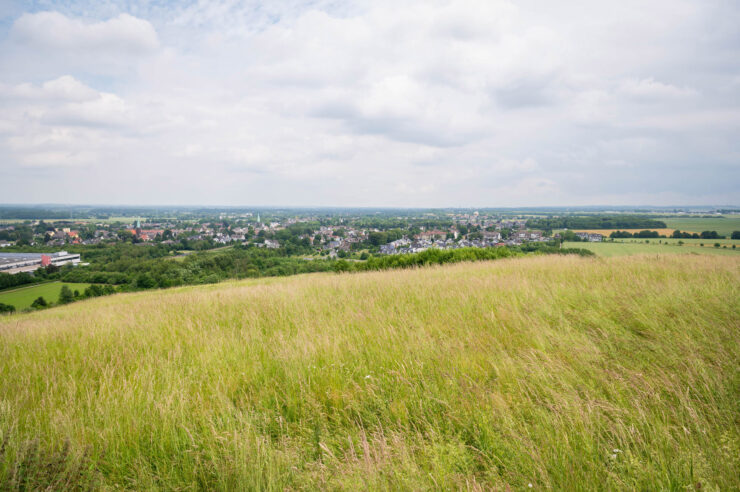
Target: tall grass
x=565 y=373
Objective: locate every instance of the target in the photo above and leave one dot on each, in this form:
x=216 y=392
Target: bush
x=6 y=308
x=39 y=303
x=145 y=281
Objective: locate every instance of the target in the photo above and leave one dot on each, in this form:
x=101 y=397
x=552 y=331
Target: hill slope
x=562 y=372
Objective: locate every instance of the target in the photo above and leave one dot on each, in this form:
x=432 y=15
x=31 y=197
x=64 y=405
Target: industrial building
x=29 y=262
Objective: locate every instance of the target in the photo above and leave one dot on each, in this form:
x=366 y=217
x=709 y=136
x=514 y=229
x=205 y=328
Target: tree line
x=596 y=222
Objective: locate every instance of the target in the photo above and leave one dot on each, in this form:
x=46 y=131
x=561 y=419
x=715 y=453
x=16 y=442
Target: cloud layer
x=442 y=103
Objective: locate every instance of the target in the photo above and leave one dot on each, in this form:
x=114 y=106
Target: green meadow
x=723 y=225
x=22 y=297
x=541 y=372
x=622 y=247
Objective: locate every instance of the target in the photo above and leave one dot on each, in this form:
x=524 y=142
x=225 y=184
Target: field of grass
x=637 y=247
x=22 y=297
x=606 y=232
x=690 y=242
x=566 y=373
x=723 y=226
x=109 y=220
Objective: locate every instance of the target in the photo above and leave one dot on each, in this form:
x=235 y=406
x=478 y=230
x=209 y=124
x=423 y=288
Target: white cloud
x=54 y=31
x=476 y=102
x=650 y=89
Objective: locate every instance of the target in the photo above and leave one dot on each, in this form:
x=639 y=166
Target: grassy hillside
x=565 y=373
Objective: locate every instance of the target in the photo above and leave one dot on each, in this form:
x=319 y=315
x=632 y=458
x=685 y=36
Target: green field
x=724 y=226
x=687 y=242
x=125 y=220
x=635 y=247
x=23 y=297
x=542 y=373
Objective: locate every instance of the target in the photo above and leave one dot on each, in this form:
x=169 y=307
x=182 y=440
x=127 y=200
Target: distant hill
x=562 y=372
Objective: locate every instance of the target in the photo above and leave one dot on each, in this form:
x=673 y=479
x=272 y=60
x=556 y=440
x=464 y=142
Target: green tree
x=65 y=295
x=145 y=281
x=39 y=303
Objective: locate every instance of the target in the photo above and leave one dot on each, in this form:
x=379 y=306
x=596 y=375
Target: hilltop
x=561 y=372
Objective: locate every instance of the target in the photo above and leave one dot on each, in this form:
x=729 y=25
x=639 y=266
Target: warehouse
x=28 y=262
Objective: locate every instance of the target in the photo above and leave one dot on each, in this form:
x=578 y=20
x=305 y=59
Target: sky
x=379 y=103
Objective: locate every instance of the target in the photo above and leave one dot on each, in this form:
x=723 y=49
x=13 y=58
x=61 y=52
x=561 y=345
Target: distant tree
x=735 y=235
x=145 y=281
x=717 y=245
x=365 y=255
x=39 y=303
x=377 y=238
x=125 y=235
x=65 y=295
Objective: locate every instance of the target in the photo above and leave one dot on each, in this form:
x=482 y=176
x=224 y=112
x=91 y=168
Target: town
x=326 y=235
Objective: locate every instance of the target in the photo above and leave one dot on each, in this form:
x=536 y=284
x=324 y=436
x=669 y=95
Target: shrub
x=6 y=308
x=39 y=303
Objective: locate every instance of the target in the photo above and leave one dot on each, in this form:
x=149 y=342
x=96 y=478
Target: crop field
x=22 y=297
x=636 y=247
x=688 y=242
x=543 y=372
x=109 y=220
x=723 y=226
x=606 y=232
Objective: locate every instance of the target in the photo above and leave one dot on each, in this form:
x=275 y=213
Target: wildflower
x=529 y=485
x=367 y=377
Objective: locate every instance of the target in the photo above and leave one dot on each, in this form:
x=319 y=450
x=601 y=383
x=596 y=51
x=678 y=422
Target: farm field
x=540 y=372
x=723 y=226
x=688 y=242
x=22 y=297
x=635 y=247
x=109 y=220
x=606 y=232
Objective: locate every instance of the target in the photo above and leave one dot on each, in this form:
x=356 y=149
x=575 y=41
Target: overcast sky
x=370 y=103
